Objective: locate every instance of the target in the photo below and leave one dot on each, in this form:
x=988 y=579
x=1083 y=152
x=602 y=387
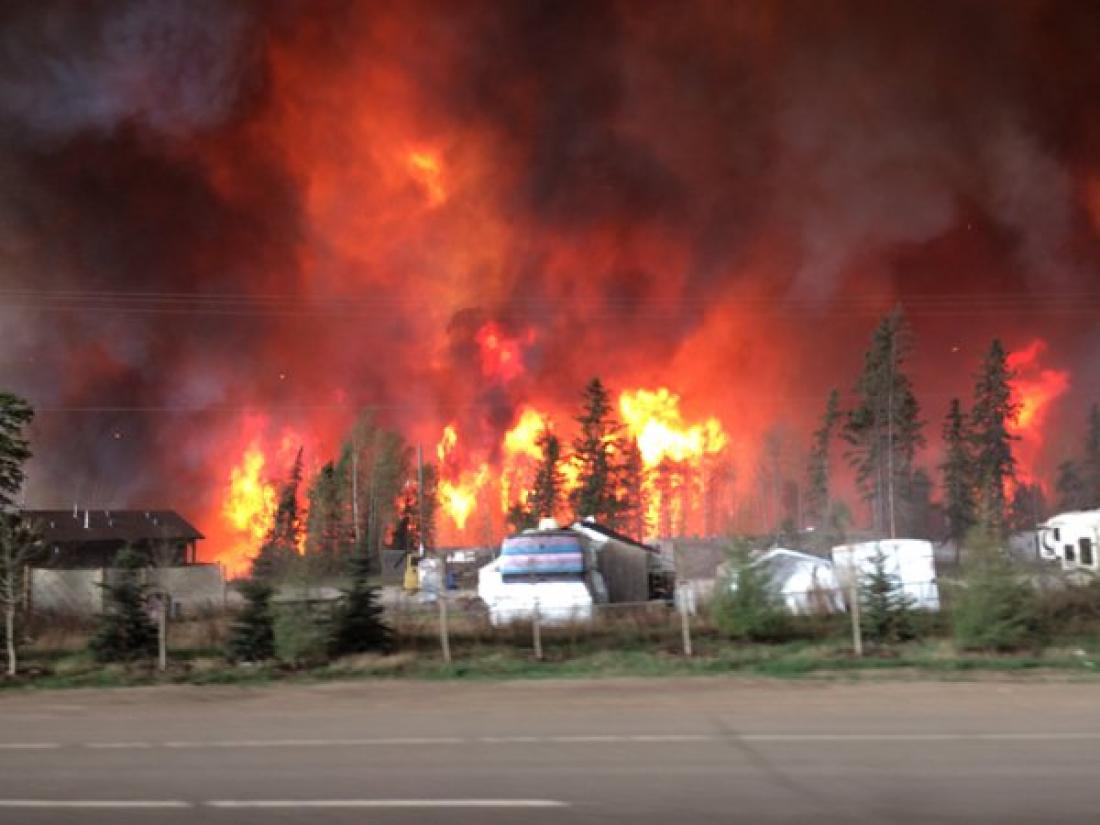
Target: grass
x=639 y=643
x=796 y=660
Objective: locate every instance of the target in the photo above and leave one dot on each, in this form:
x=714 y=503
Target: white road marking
x=570 y=739
x=315 y=743
x=809 y=738
x=386 y=803
x=95 y=804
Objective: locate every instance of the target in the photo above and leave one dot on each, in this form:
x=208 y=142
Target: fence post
x=536 y=631
x=162 y=633
x=853 y=601
x=444 y=634
x=685 y=622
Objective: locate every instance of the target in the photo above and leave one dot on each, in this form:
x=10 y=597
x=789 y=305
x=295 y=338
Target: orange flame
x=1035 y=388
x=675 y=453
x=248 y=505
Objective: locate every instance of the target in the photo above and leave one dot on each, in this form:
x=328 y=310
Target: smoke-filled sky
x=213 y=214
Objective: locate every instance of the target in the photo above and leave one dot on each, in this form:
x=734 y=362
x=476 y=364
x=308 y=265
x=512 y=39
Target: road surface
x=630 y=751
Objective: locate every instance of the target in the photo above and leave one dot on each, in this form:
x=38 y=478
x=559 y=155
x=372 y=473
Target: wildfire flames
x=1035 y=390
x=305 y=211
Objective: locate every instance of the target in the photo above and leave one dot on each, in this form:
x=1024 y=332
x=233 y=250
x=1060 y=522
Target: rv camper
x=1073 y=539
x=564 y=573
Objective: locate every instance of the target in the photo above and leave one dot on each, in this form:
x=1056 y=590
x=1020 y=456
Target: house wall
x=194 y=589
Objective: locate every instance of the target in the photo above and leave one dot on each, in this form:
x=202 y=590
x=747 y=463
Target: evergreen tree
x=358 y=625
x=330 y=535
x=991 y=442
x=1028 y=507
x=884 y=429
x=887 y=610
x=546 y=493
x=15 y=416
x=280 y=547
x=1091 y=463
x=20 y=544
x=252 y=636
x=594 y=455
x=957 y=470
x=125 y=632
x=916 y=513
x=819 y=488
x=633 y=504
x=748 y=605
x=408 y=533
x=1070 y=487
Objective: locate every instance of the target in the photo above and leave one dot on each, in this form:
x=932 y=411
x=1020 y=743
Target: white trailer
x=1073 y=539
x=910 y=560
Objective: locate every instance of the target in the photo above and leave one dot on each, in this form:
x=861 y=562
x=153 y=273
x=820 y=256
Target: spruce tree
x=748 y=605
x=991 y=441
x=594 y=455
x=358 y=625
x=545 y=497
x=884 y=428
x=280 y=546
x=125 y=631
x=252 y=635
x=15 y=416
x=819 y=488
x=632 y=490
x=958 y=474
x=330 y=533
x=995 y=609
x=1091 y=463
x=886 y=608
x=1028 y=507
x=1070 y=487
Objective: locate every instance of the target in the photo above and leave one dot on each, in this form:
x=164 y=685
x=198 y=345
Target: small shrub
x=748 y=606
x=252 y=636
x=994 y=610
x=125 y=632
x=358 y=626
x=301 y=637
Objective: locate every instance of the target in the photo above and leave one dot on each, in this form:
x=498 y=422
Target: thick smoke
x=212 y=209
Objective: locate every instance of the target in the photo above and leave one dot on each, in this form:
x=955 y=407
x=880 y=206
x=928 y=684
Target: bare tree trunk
x=9 y=632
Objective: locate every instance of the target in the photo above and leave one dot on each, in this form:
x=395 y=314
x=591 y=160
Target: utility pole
x=420 y=496
x=355 y=487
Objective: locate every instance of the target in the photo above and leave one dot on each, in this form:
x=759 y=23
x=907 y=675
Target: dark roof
x=615 y=534
x=61 y=527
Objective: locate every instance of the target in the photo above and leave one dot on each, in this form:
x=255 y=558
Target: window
x=1086 y=551
x=1057 y=534
x=1069 y=555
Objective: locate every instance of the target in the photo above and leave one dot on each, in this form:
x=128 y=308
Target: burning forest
x=255 y=255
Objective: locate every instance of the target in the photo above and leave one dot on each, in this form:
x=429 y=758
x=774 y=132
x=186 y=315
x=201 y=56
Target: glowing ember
x=501 y=355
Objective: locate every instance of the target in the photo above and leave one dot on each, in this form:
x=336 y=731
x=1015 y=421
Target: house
x=80 y=548
x=90 y=539
x=1072 y=538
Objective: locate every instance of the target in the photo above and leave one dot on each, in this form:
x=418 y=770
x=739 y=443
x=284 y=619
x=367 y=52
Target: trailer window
x=1086 y=551
x=1070 y=555
x=1057 y=534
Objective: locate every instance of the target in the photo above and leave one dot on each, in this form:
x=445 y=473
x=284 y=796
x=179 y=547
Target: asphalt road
x=659 y=751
